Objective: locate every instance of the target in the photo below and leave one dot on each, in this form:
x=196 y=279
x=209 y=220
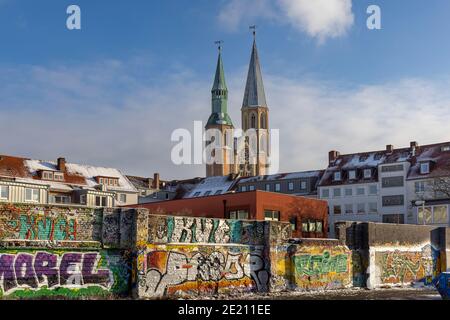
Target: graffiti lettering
x=34 y=271
x=309 y=265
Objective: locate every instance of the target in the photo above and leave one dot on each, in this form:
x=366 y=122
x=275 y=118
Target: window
x=325 y=193
x=267 y=187
x=46 y=175
x=349 y=192
x=312 y=226
x=367 y=173
x=373 y=207
x=349 y=208
x=58 y=176
x=360 y=191
x=419 y=186
x=352 y=175
x=337 y=210
x=394 y=168
x=392 y=182
x=244 y=189
x=394 y=218
x=336 y=192
x=253 y=121
x=4 y=192
x=291 y=186
x=373 y=189
x=445 y=148
x=425 y=168
x=293 y=222
x=60 y=199
x=100 y=201
x=270 y=215
x=83 y=199
x=239 y=214
x=390 y=201
x=251 y=188
x=31 y=195
x=303 y=185
x=337 y=176
x=432 y=215
x=197 y=194
x=361 y=208
x=278 y=187
x=319 y=226
x=123 y=198
x=218 y=192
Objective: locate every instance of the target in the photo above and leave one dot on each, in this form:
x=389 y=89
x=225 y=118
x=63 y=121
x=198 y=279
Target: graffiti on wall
x=165 y=229
x=400 y=267
x=322 y=267
x=172 y=270
x=21 y=222
x=31 y=273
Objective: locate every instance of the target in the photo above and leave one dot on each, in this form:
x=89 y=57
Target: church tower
x=221 y=121
x=255 y=115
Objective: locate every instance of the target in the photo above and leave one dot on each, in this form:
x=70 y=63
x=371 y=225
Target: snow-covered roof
x=76 y=176
x=284 y=176
x=211 y=186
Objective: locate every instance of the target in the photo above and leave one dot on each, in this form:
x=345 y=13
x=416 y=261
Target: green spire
x=219 y=95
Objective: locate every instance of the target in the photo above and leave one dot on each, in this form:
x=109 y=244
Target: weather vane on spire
x=219 y=44
x=254 y=30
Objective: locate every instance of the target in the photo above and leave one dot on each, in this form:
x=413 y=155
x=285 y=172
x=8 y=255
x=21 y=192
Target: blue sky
x=136 y=65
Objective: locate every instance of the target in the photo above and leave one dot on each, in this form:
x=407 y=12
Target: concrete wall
x=311 y=264
x=58 y=252
x=386 y=255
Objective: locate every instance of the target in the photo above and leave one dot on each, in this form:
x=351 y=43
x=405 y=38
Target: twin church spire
x=254 y=116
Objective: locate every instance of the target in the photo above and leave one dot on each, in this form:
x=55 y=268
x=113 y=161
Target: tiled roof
x=75 y=175
x=437 y=155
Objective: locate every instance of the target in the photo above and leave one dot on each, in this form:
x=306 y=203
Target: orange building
x=308 y=217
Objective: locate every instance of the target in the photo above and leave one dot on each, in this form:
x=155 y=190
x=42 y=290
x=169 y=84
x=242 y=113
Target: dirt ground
x=347 y=294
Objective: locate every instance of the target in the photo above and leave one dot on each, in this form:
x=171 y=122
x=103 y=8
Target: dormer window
x=337 y=176
x=107 y=181
x=424 y=168
x=352 y=175
x=445 y=149
x=58 y=176
x=367 y=173
x=47 y=175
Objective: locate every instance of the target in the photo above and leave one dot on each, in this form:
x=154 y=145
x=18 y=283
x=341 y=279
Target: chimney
x=61 y=164
x=155 y=181
x=414 y=146
x=390 y=148
x=333 y=155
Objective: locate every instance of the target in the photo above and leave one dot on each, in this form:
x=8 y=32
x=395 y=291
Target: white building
x=384 y=186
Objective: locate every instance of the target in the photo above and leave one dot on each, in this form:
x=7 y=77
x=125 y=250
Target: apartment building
x=390 y=186
x=24 y=180
x=294 y=183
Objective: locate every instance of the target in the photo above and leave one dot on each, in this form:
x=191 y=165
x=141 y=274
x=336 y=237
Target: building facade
x=30 y=181
x=388 y=186
x=294 y=183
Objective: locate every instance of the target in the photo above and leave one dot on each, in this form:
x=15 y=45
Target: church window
x=253 y=122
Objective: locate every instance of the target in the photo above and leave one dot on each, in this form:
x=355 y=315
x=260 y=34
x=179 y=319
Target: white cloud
x=107 y=114
x=320 y=19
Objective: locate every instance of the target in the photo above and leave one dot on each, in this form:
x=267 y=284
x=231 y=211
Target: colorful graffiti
x=317 y=267
x=190 y=270
x=33 y=273
x=405 y=267
x=164 y=229
x=22 y=222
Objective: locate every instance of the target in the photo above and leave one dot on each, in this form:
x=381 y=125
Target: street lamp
x=421 y=203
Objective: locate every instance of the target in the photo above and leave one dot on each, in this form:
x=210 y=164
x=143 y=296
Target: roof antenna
x=219 y=45
x=254 y=31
